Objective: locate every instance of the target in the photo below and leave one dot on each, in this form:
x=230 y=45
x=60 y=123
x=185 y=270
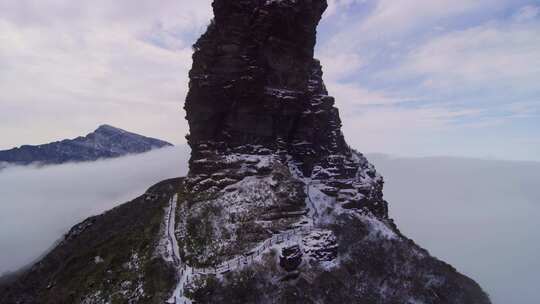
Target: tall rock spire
x=255 y=84
x=270 y=171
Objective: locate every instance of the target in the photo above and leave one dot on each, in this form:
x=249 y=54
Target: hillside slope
x=116 y=255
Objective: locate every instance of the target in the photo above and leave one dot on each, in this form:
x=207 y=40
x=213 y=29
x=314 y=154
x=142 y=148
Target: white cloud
x=335 y=6
x=527 y=13
x=350 y=97
x=338 y=65
x=420 y=77
x=392 y=16
x=480 y=57
x=391 y=23
x=400 y=130
x=131 y=13
x=480 y=216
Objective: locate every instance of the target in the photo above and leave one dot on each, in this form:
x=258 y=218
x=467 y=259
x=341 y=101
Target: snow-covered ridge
x=256 y=191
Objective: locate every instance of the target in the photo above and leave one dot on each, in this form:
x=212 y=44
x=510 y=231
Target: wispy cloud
x=484 y=57
x=527 y=13
x=121 y=62
x=424 y=72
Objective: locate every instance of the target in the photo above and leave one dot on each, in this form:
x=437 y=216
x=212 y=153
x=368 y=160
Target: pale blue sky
x=437 y=77
x=411 y=77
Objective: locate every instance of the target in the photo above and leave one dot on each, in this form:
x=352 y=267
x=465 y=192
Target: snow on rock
x=321 y=246
x=94 y=298
x=378 y=228
x=98 y=260
x=164 y=247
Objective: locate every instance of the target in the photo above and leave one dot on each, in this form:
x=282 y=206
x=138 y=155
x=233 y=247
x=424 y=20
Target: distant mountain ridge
x=105 y=142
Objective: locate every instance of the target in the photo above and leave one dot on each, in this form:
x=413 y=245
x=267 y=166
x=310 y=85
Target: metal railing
x=188 y=274
x=248 y=259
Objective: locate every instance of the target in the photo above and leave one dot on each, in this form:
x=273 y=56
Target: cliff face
x=254 y=83
x=256 y=89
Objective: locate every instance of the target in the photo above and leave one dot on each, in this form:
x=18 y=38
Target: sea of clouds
x=40 y=204
x=481 y=216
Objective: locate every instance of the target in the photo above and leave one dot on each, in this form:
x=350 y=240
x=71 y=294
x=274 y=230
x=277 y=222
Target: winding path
x=186 y=273
x=182 y=269
x=295 y=234
x=170 y=231
x=313 y=208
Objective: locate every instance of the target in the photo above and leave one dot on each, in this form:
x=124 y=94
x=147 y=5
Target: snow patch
x=98 y=260
x=378 y=228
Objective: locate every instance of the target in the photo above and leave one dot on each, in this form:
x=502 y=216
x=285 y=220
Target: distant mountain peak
x=105 y=142
x=108 y=129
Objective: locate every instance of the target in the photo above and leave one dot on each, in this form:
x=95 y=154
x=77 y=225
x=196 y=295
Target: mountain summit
x=276 y=207
x=105 y=142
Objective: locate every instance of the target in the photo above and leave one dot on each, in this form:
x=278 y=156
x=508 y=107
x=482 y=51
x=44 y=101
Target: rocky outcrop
x=105 y=142
x=267 y=148
x=291 y=258
x=256 y=89
x=255 y=85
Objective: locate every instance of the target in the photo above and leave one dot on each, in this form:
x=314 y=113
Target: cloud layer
x=39 y=205
x=481 y=216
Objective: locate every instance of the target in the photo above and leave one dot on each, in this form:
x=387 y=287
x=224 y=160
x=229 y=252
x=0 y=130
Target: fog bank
x=481 y=216
x=39 y=205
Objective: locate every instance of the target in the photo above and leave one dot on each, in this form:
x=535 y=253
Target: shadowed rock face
x=254 y=82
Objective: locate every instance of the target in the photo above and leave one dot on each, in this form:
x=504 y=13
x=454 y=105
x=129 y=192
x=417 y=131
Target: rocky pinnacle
x=255 y=84
x=269 y=158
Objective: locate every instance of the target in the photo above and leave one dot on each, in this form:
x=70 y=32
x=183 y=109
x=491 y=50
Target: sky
x=411 y=77
x=481 y=216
